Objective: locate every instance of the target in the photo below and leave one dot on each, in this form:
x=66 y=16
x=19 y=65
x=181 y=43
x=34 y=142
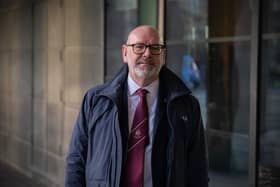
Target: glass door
x=209 y=47
x=131 y=13
x=269 y=132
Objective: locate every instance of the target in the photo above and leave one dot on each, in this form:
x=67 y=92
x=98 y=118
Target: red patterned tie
x=138 y=139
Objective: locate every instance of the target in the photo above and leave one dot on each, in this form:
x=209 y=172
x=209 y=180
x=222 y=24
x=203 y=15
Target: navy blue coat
x=97 y=151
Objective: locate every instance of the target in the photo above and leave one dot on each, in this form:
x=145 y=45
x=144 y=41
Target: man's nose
x=147 y=52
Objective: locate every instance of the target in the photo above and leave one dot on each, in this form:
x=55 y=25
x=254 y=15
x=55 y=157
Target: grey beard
x=147 y=73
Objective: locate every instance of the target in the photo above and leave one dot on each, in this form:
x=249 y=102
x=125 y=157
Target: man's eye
x=139 y=46
x=155 y=47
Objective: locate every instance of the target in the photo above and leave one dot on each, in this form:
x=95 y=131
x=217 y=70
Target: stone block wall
x=51 y=52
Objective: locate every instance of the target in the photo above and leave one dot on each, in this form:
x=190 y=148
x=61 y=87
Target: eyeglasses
x=140 y=48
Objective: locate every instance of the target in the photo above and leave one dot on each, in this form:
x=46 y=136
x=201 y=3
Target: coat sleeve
x=76 y=158
x=198 y=159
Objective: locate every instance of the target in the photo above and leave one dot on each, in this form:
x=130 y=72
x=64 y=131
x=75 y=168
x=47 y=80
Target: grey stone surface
x=4 y=114
x=11 y=177
x=40 y=25
x=4 y=71
x=72 y=92
x=83 y=21
x=82 y=71
x=39 y=100
x=39 y=124
x=54 y=128
x=20 y=26
x=18 y=153
x=47 y=62
x=4 y=138
x=4 y=92
x=13 y=4
x=21 y=118
x=55 y=76
x=56 y=30
x=72 y=23
x=56 y=168
x=20 y=97
x=20 y=74
x=40 y=74
x=39 y=159
x=91 y=29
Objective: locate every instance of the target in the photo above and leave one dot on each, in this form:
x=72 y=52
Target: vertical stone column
x=48 y=45
x=51 y=52
x=83 y=57
x=16 y=83
x=68 y=60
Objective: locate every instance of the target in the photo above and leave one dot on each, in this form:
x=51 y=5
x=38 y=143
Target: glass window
x=270 y=12
x=205 y=50
x=121 y=17
x=269 y=147
x=186 y=20
x=117 y=31
x=227 y=127
x=229 y=18
x=269 y=164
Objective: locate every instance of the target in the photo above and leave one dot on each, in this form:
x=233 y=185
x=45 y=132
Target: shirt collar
x=133 y=87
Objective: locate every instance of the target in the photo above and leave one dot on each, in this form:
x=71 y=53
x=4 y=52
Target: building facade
x=227 y=52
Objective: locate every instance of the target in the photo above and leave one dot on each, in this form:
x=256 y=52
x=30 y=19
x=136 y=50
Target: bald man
x=141 y=129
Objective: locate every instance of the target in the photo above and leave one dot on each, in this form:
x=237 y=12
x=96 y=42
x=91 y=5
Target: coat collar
x=170 y=84
x=115 y=88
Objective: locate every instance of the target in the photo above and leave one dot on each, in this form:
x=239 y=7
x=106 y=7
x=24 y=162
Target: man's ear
x=124 y=53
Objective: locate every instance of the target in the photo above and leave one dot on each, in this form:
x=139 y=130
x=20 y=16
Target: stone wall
x=51 y=52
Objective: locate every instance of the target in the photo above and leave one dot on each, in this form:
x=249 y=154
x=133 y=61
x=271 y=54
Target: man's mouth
x=148 y=63
x=145 y=65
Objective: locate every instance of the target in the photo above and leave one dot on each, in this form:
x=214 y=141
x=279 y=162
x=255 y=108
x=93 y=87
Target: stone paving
x=10 y=177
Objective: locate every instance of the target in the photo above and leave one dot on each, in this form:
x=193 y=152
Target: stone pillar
x=16 y=83
x=51 y=52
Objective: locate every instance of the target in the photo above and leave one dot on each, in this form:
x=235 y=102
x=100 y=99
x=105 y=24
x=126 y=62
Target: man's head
x=144 y=54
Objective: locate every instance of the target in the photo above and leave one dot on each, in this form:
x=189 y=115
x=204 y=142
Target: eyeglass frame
x=161 y=47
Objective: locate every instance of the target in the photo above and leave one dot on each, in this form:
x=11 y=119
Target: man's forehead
x=143 y=37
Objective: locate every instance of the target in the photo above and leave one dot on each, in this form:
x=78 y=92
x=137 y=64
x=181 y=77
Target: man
x=143 y=128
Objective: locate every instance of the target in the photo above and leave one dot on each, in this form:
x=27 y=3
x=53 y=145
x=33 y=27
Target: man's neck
x=143 y=82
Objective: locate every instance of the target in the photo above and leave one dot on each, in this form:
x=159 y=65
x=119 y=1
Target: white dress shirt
x=133 y=99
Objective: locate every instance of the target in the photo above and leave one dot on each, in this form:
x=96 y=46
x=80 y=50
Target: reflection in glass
x=186 y=20
x=271 y=13
x=269 y=130
x=229 y=18
x=228 y=112
x=189 y=63
x=218 y=75
x=117 y=31
x=269 y=164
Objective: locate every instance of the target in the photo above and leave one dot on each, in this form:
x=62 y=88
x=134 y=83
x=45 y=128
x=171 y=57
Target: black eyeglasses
x=140 y=48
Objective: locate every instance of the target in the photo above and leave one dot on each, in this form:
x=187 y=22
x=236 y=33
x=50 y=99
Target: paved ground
x=220 y=179
x=10 y=177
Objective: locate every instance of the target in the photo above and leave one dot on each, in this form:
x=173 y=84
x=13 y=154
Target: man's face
x=143 y=68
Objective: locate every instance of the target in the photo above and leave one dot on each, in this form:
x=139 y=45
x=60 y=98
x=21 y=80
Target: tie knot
x=141 y=92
